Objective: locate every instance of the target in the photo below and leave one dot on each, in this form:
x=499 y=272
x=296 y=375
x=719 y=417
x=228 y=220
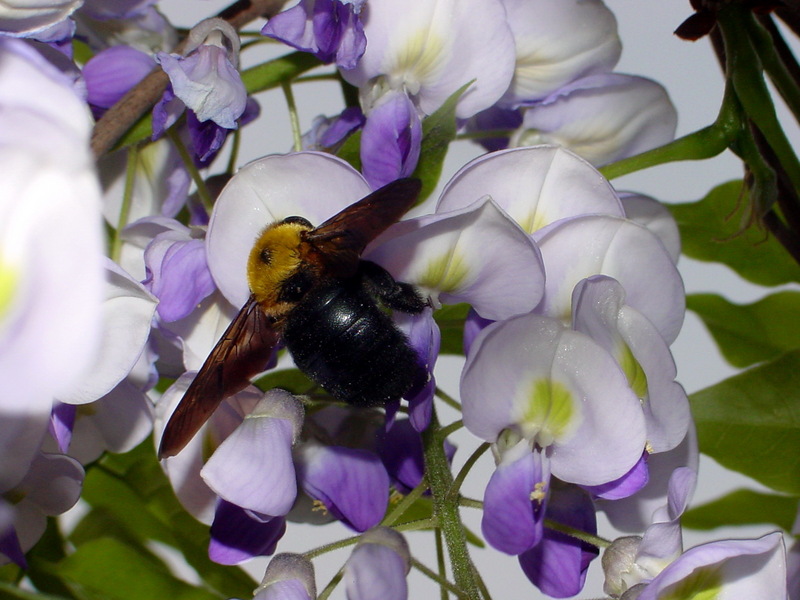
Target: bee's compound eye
x=265 y=256
x=298 y=221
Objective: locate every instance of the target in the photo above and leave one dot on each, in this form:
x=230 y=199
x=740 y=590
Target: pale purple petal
x=656 y=217
x=634 y=514
x=288 y=577
x=30 y=19
x=535 y=186
x=597 y=244
x=454 y=257
x=208 y=83
x=558 y=387
x=599 y=310
x=127 y=313
x=236 y=536
x=602 y=118
x=351 y=483
x=739 y=569
x=473 y=325
x=425 y=338
x=118 y=422
x=558 y=41
x=434 y=48
x=375 y=572
x=253 y=467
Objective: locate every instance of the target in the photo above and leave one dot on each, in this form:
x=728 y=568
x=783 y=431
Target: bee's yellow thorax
x=276 y=255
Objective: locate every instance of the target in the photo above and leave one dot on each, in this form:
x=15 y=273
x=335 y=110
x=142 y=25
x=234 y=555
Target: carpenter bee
x=310 y=289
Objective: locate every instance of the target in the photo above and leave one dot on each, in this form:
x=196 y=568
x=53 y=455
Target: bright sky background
x=692 y=77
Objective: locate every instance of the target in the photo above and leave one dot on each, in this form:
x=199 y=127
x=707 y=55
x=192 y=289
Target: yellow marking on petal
x=319 y=506
x=633 y=371
x=704 y=583
x=446 y=273
x=418 y=60
x=549 y=412
x=648 y=448
x=9 y=282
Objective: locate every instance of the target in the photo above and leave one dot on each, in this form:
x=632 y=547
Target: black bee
x=310 y=288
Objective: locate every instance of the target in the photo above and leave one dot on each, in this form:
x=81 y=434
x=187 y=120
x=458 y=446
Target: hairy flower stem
x=446 y=510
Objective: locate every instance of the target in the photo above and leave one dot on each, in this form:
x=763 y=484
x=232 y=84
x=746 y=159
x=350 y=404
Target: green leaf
x=438 y=130
x=450 y=319
x=274 y=72
x=9 y=591
x=743 y=507
x=351 y=150
x=107 y=569
x=750 y=333
x=711 y=231
x=750 y=423
x=133 y=502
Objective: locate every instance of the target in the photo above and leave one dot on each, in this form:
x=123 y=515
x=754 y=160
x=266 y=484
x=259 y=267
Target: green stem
x=404 y=504
x=744 y=72
x=443 y=583
x=447 y=399
x=577 y=534
x=462 y=474
x=698 y=145
x=470 y=503
x=784 y=82
x=125 y=207
x=319 y=551
x=293 y=118
x=440 y=563
x=230 y=169
x=446 y=511
x=416 y=525
x=450 y=429
x=323 y=595
x=202 y=190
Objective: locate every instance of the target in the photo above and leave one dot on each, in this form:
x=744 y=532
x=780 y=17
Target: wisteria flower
x=51 y=248
x=603 y=118
x=377 y=568
x=432 y=49
x=329 y=29
x=288 y=577
x=655 y=567
x=205 y=78
x=557 y=42
x=44 y=21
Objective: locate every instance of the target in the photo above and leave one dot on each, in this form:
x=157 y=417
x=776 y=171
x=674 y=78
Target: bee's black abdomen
x=341 y=339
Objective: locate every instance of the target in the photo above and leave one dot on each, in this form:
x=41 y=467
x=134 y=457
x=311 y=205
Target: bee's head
x=276 y=257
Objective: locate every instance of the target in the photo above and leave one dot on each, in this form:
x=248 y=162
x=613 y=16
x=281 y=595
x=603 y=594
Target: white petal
x=313 y=185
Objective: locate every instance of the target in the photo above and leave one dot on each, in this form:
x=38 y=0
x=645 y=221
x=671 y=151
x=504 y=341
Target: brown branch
x=120 y=117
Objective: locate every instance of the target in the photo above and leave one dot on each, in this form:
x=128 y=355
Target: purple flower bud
x=109 y=74
x=288 y=577
x=377 y=568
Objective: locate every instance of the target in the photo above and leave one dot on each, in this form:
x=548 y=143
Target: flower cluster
x=565 y=292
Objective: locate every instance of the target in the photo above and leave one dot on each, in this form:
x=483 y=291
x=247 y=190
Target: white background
x=692 y=77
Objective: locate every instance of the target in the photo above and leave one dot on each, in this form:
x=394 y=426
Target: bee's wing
x=243 y=351
x=340 y=240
